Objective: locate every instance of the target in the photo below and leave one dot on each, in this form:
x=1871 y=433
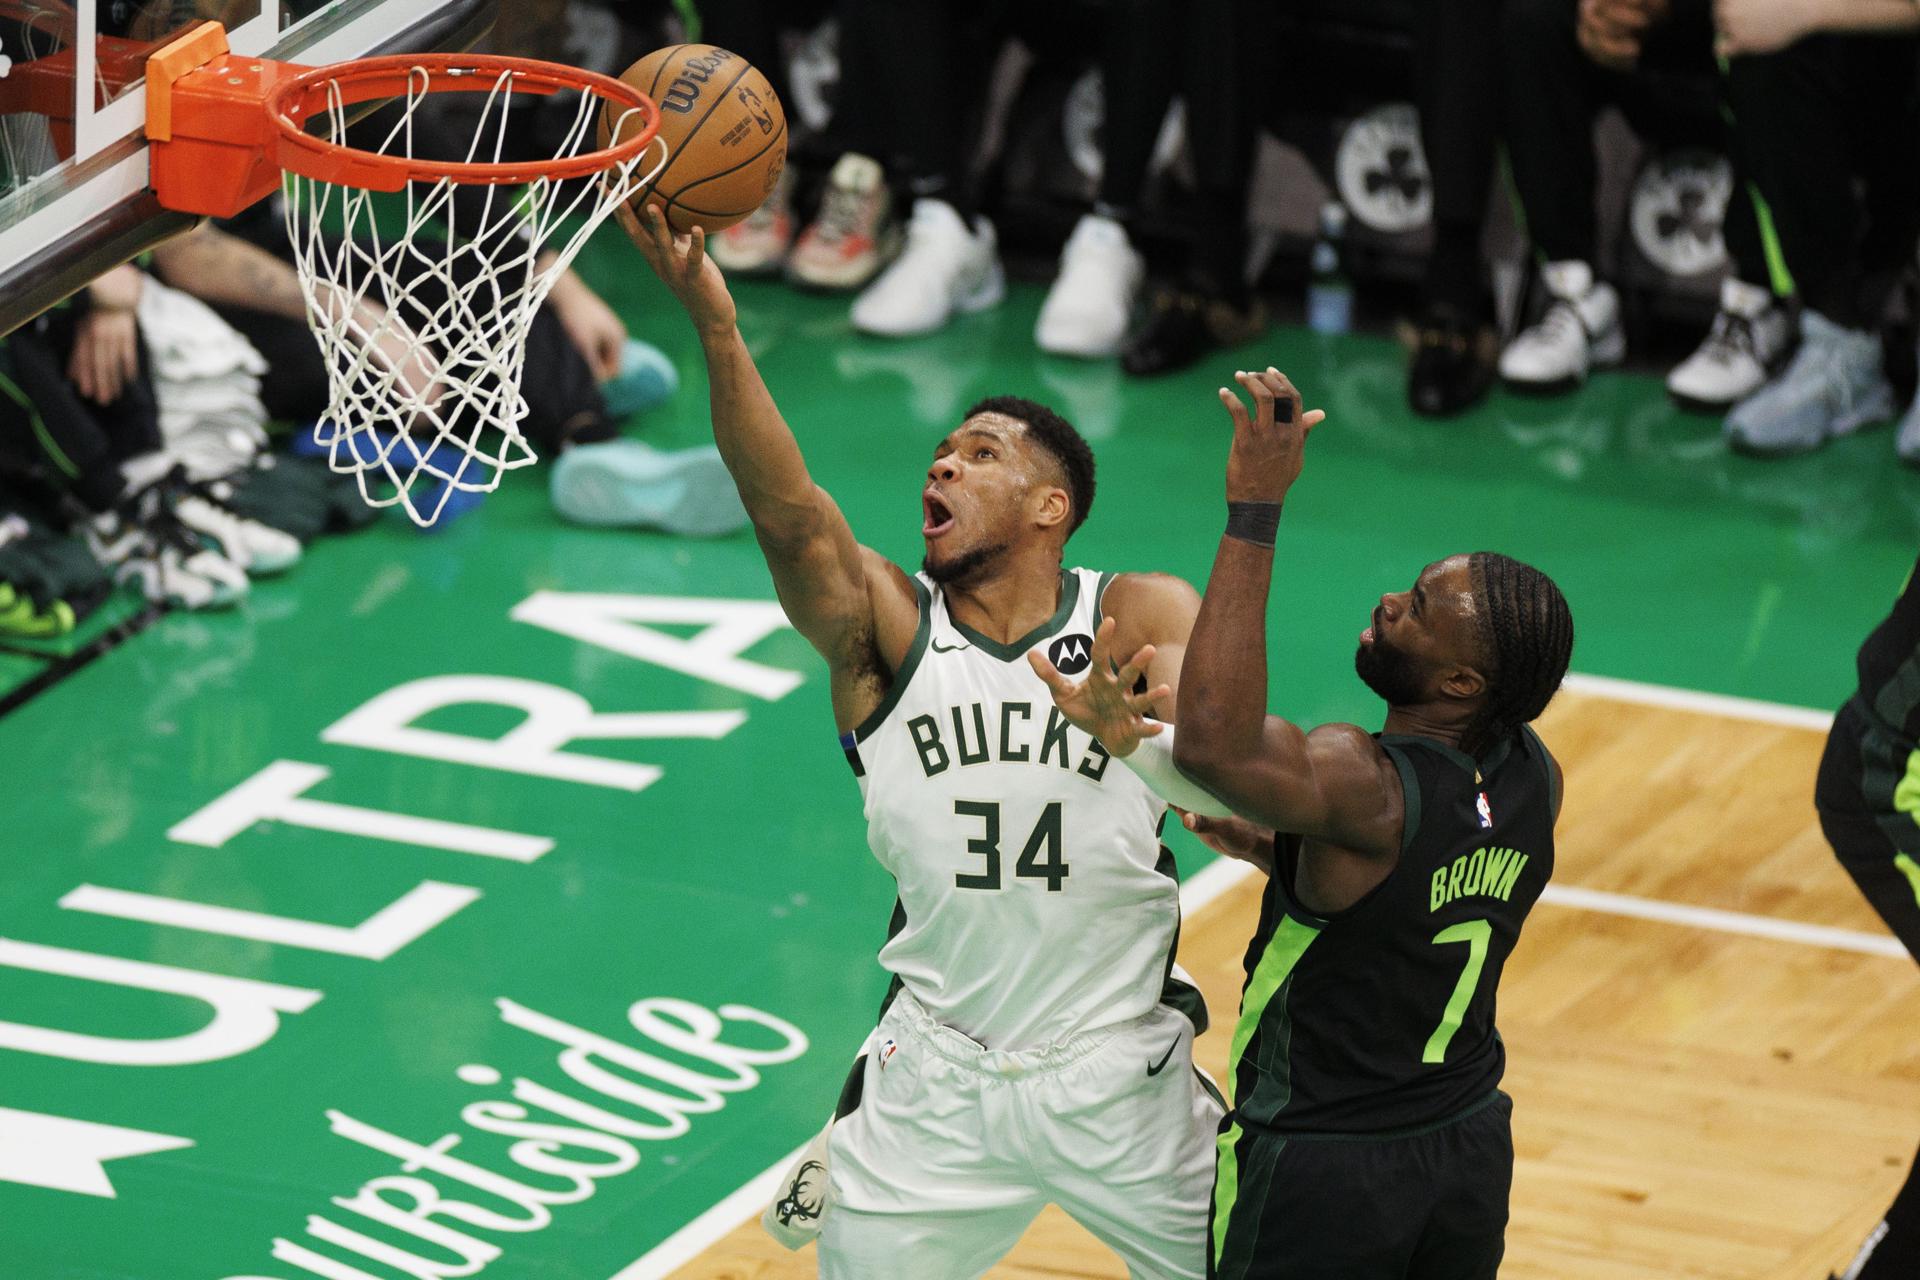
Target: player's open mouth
x=1366 y=637
x=939 y=518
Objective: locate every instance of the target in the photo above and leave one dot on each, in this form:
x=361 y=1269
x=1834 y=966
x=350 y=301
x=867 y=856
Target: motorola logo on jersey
x=1071 y=654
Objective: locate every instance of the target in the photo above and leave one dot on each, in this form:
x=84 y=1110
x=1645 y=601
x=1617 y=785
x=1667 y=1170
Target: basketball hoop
x=422 y=313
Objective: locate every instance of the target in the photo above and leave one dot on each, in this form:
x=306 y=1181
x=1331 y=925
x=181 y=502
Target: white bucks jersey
x=1036 y=900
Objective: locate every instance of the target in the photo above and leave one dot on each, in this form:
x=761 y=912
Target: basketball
x=725 y=132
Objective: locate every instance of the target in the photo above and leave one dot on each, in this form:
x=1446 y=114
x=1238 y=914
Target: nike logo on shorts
x=1154 y=1068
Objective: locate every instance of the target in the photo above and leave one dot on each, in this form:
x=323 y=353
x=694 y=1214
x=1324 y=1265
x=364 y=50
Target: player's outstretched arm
x=836 y=593
x=1266 y=768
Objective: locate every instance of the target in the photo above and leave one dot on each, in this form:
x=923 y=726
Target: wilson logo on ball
x=722 y=139
x=684 y=93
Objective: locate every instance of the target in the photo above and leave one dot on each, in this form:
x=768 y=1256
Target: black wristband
x=1255 y=522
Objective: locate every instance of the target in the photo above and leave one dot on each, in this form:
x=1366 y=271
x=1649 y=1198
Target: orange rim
x=296 y=101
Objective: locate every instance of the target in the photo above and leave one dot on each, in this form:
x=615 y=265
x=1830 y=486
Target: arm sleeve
x=1152 y=761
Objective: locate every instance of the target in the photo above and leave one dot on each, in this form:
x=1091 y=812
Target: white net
x=422 y=303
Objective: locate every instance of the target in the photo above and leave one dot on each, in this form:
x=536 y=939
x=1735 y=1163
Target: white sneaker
x=1579 y=332
x=758 y=244
x=1087 y=308
x=855 y=233
x=257 y=549
x=944 y=269
x=144 y=543
x=1748 y=340
x=1833 y=386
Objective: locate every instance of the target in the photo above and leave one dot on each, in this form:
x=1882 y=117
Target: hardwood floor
x=1688 y=1103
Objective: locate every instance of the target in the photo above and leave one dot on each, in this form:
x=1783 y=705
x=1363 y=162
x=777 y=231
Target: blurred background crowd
x=1527 y=191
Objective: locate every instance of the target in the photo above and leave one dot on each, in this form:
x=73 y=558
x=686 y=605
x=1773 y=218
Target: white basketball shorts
x=953 y=1149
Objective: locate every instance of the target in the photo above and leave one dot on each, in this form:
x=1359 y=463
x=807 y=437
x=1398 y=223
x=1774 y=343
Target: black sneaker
x=1183 y=327
x=144 y=541
x=1454 y=360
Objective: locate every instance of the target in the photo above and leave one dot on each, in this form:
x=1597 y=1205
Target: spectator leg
x=1803 y=109
x=48 y=429
x=1223 y=40
x=1457 y=77
x=933 y=58
x=1137 y=91
x=1551 y=94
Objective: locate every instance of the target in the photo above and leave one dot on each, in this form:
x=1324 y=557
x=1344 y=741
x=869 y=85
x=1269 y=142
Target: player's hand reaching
x=1104 y=704
x=682 y=263
x=1235 y=838
x=1269 y=443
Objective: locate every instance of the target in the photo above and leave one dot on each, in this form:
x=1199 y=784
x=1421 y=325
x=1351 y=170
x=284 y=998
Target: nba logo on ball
x=1071 y=654
x=1486 y=812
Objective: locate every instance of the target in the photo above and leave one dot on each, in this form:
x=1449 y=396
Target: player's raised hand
x=682 y=264
x=1269 y=443
x=1104 y=704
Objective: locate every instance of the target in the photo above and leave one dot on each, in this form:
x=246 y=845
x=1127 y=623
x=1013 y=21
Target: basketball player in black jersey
x=1866 y=798
x=1369 y=1139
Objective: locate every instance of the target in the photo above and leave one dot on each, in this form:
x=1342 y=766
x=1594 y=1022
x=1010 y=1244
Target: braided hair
x=1526 y=630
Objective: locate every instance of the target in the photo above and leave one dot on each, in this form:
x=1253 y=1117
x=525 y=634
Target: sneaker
x=758 y=244
x=144 y=542
x=257 y=549
x=946 y=267
x=1182 y=327
x=1906 y=442
x=646 y=379
x=1747 y=343
x=1579 y=332
x=1453 y=363
x=625 y=484
x=1087 y=309
x=1833 y=386
x=855 y=234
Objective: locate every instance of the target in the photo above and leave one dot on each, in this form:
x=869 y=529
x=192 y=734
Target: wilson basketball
x=725 y=131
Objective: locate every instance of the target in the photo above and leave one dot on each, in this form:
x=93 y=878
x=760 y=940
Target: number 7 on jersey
x=1475 y=933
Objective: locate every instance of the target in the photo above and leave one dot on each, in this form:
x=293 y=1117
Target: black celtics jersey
x=1380 y=1019
x=1890 y=666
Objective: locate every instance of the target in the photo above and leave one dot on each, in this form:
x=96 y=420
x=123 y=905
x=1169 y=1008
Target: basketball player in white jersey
x=1036 y=1046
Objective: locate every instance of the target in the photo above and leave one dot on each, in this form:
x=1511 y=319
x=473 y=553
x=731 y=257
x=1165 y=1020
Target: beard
x=964 y=568
x=1392 y=673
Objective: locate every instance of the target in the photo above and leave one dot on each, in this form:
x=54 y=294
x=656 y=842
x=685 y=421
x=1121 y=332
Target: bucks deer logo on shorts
x=1071 y=654
x=806 y=1194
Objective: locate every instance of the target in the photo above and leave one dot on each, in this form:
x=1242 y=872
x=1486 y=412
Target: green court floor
x=675 y=961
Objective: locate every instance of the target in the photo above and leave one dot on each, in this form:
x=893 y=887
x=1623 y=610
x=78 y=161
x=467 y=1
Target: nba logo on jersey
x=1486 y=812
x=887 y=1050
x=1071 y=654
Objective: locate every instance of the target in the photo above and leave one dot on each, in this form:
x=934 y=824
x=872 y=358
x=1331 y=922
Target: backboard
x=74 y=194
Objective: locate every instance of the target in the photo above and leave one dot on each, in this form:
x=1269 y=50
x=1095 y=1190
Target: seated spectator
x=929 y=60
x=581 y=371
x=1457 y=93
x=1563 y=59
x=1151 y=50
x=1832 y=117
x=853 y=233
x=78 y=411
